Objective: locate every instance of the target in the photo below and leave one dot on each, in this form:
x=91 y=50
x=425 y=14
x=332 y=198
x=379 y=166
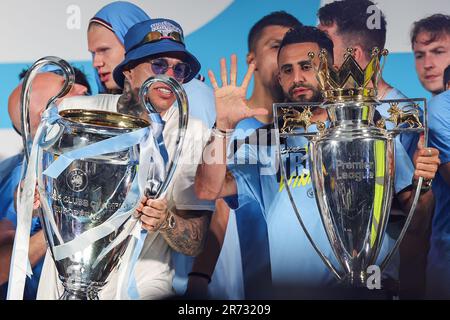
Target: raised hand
x=426 y=161
x=231 y=102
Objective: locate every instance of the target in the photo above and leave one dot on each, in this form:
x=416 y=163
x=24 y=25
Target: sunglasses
x=154 y=36
x=181 y=70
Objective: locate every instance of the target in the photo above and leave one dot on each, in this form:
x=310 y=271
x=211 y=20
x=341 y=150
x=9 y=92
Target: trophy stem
x=357 y=279
x=80 y=293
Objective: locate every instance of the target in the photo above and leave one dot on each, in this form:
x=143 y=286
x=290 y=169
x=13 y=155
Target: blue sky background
x=227 y=34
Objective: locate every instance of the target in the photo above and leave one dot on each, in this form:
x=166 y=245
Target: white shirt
x=154 y=272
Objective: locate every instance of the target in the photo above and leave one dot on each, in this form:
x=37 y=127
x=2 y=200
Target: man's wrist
x=217 y=133
x=221 y=133
x=168 y=223
x=224 y=125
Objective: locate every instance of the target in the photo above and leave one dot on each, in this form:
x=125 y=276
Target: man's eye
x=286 y=70
x=159 y=64
x=306 y=67
x=418 y=55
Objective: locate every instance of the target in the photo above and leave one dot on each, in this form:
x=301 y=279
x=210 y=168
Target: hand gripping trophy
x=91 y=168
x=352 y=161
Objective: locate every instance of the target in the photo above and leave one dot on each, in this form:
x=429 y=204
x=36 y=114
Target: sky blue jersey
x=438 y=269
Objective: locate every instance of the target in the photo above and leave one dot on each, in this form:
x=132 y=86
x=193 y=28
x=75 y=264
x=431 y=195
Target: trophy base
x=356 y=279
x=80 y=292
x=79 y=295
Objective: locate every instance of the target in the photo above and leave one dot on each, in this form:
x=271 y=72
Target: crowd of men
x=226 y=228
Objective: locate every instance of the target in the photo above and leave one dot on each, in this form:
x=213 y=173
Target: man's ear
x=128 y=75
x=360 y=56
x=250 y=58
x=79 y=90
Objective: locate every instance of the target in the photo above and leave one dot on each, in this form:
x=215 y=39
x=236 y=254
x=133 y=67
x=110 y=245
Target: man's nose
x=299 y=75
x=428 y=62
x=170 y=72
x=97 y=61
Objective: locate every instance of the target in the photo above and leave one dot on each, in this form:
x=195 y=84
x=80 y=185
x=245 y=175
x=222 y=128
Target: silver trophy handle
x=69 y=80
x=324 y=258
x=412 y=210
x=183 y=117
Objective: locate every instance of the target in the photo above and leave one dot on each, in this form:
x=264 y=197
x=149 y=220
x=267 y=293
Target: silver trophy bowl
x=352 y=174
x=85 y=195
x=91 y=190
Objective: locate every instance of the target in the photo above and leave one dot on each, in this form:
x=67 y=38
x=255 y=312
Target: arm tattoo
x=129 y=102
x=189 y=234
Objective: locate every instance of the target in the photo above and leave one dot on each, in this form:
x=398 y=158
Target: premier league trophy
x=87 y=164
x=352 y=161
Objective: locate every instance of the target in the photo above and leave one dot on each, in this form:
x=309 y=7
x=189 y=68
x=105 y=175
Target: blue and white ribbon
x=20 y=264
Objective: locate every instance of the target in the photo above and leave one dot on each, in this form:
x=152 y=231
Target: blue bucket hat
x=152 y=37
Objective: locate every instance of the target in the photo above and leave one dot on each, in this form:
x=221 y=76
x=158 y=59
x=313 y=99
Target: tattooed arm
x=185 y=231
x=189 y=233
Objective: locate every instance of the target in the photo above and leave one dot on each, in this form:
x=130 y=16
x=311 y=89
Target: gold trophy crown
x=350 y=82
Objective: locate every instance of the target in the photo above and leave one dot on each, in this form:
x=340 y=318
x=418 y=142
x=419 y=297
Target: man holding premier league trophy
x=295 y=263
x=177 y=220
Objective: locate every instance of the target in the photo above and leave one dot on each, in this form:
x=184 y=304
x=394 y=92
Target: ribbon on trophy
x=126 y=284
x=150 y=149
x=20 y=264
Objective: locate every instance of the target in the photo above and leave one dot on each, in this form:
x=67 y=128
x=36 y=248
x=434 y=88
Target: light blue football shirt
x=438 y=269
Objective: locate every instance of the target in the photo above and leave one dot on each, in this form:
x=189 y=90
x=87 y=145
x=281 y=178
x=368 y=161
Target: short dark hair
x=277 y=18
x=437 y=25
x=350 y=17
x=308 y=34
x=80 y=77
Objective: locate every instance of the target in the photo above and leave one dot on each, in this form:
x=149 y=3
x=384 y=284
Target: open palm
x=231 y=102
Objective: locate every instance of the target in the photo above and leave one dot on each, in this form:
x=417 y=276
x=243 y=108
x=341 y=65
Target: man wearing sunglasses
x=180 y=220
x=106 y=37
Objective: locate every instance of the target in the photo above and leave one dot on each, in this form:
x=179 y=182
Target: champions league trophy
x=94 y=195
x=352 y=161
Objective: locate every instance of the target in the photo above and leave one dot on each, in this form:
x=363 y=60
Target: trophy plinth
x=77 y=291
